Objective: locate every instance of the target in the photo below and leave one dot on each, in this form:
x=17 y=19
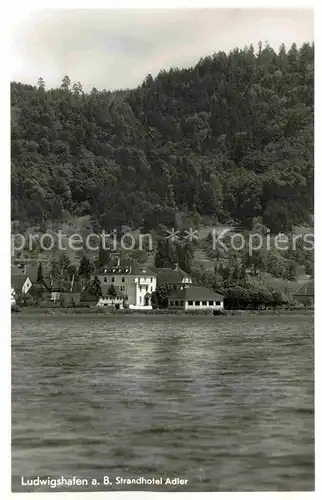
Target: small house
x=175 y=277
x=196 y=298
x=20 y=285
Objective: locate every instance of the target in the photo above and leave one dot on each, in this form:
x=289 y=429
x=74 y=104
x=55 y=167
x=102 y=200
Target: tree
x=226 y=273
x=191 y=220
x=140 y=255
x=54 y=269
x=275 y=264
x=277 y=299
x=95 y=287
x=86 y=268
x=236 y=273
x=77 y=88
x=40 y=274
x=65 y=83
x=162 y=293
x=66 y=269
x=243 y=274
x=255 y=260
x=112 y=291
x=221 y=270
x=41 y=84
x=309 y=268
x=104 y=257
x=166 y=254
x=185 y=253
x=291 y=272
x=236 y=297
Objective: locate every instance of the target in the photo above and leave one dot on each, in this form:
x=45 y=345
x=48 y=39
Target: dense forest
x=230 y=139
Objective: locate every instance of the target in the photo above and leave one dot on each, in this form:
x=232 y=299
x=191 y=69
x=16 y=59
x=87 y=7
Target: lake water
x=223 y=402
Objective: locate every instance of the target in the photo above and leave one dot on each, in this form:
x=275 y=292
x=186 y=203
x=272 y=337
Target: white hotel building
x=132 y=280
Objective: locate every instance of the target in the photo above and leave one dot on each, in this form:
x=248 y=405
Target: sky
x=113 y=49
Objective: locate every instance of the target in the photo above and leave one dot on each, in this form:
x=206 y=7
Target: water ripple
x=226 y=403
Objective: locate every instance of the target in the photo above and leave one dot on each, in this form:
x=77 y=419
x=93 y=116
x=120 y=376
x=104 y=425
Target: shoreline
x=56 y=311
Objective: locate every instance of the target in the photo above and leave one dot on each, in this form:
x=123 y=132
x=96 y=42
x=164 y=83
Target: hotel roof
x=125 y=266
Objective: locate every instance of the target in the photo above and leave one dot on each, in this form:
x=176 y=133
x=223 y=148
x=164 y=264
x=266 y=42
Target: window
x=211 y=302
x=151 y=289
x=177 y=302
x=190 y=302
x=181 y=303
x=105 y=279
x=151 y=279
x=218 y=303
x=140 y=300
x=171 y=302
x=113 y=279
x=123 y=280
x=140 y=288
x=197 y=302
x=204 y=302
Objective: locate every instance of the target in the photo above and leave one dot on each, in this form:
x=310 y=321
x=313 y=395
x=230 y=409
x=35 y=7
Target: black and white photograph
x=162 y=250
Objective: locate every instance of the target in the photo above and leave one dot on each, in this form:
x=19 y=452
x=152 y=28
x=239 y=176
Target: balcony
x=143 y=281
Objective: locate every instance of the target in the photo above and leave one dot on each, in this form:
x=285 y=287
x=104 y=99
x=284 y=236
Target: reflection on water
x=226 y=403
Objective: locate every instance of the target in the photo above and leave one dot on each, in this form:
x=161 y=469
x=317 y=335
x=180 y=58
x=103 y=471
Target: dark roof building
x=17 y=282
x=20 y=279
x=176 y=277
x=32 y=272
x=171 y=276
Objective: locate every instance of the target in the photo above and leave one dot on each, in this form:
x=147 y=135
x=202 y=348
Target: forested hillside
x=231 y=138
